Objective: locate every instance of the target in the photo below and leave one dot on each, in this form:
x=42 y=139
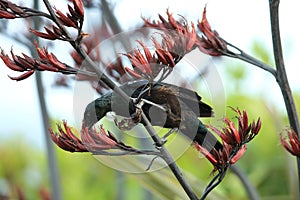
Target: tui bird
x=164 y=105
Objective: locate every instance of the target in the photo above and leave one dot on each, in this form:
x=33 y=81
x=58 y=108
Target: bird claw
x=164 y=138
x=158 y=145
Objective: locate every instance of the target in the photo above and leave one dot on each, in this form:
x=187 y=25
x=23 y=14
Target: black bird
x=165 y=105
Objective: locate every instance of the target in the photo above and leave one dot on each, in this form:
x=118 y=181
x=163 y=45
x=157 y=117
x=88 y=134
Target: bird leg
x=164 y=138
x=145 y=90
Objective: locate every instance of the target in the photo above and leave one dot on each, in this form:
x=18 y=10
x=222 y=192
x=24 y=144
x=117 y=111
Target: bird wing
x=189 y=97
x=192 y=100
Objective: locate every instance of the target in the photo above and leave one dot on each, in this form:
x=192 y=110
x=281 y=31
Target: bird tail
x=206 y=139
x=201 y=135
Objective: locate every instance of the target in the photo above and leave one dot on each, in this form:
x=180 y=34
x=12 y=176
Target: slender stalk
x=281 y=73
x=110 y=18
x=213 y=183
x=165 y=154
x=52 y=160
x=114 y=24
x=249 y=59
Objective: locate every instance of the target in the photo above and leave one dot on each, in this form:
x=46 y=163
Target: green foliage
x=21 y=168
x=236 y=72
x=261 y=52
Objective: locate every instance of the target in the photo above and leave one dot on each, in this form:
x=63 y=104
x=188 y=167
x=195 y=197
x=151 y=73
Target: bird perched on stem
x=164 y=105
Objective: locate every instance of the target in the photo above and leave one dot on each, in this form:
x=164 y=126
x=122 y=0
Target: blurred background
x=23 y=164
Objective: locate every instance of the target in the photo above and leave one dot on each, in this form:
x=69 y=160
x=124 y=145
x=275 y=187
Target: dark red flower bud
x=291 y=143
x=133 y=73
x=23 y=76
x=66 y=20
x=210 y=43
x=234 y=140
x=10 y=63
x=255 y=127
x=78 y=5
x=44 y=35
x=6 y=15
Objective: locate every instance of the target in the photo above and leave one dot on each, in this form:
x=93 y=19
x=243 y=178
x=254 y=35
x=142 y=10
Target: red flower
x=241 y=135
x=210 y=43
x=6 y=15
x=178 y=37
x=66 y=139
x=72 y=19
x=221 y=159
x=20 y=64
x=234 y=141
x=46 y=62
x=92 y=140
x=98 y=140
x=78 y=7
x=65 y=19
x=9 y=10
x=166 y=55
x=291 y=143
x=51 y=34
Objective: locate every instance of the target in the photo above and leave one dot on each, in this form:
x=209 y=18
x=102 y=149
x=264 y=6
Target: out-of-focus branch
x=110 y=18
x=52 y=160
x=281 y=77
x=250 y=189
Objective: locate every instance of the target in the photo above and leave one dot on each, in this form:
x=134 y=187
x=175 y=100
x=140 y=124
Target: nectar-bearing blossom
x=28 y=65
x=221 y=158
x=234 y=139
x=78 y=8
x=66 y=139
x=72 y=19
x=165 y=56
x=91 y=140
x=148 y=65
x=210 y=42
x=240 y=135
x=180 y=38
